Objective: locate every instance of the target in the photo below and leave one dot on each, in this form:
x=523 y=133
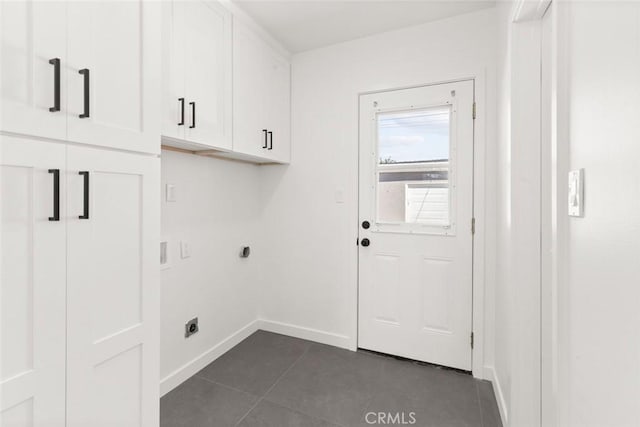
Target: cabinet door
x=118 y=42
x=207 y=27
x=261 y=92
x=32 y=34
x=173 y=78
x=112 y=288
x=32 y=285
x=249 y=92
x=278 y=87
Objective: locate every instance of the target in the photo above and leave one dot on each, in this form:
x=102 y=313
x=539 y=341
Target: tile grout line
x=225 y=386
x=480 y=405
x=261 y=398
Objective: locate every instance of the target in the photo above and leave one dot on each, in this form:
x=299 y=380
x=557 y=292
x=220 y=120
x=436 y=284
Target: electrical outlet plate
x=191 y=327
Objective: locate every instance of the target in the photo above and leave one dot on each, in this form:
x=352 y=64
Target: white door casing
x=112 y=295
x=32 y=285
x=415 y=277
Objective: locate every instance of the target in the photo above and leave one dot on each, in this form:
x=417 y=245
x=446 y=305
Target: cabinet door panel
x=113 y=297
x=207 y=27
x=249 y=92
x=261 y=95
x=173 y=79
x=32 y=285
x=278 y=86
x=119 y=43
x=32 y=33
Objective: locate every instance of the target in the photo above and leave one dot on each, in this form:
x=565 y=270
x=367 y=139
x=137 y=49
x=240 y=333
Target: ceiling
x=308 y=24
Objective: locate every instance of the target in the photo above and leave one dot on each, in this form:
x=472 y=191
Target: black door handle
x=56 y=195
x=265 y=138
x=85 y=208
x=270 y=140
x=193 y=115
x=366 y=225
x=181 y=101
x=85 y=73
x=56 y=84
x=365 y=242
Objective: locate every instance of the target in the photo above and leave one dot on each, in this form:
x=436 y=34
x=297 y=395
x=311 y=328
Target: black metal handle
x=193 y=115
x=85 y=73
x=181 y=101
x=270 y=140
x=56 y=195
x=366 y=225
x=266 y=144
x=56 y=84
x=85 y=214
x=365 y=242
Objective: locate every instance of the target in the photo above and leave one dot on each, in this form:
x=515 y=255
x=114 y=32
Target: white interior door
x=207 y=49
x=33 y=36
x=114 y=74
x=112 y=286
x=416 y=208
x=32 y=285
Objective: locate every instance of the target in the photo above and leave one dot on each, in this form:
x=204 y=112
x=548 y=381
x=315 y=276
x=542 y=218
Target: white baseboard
x=187 y=370
x=310 y=334
x=491 y=375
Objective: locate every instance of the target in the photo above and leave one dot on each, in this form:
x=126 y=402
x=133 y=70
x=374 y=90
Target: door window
x=413 y=168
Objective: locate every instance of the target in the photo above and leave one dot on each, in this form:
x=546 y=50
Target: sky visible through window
x=414 y=136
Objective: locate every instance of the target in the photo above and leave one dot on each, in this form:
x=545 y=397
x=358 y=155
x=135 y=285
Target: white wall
x=216 y=212
x=600 y=301
x=309 y=284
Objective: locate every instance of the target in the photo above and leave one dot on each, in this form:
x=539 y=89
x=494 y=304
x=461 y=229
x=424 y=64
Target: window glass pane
x=413 y=167
x=414 y=136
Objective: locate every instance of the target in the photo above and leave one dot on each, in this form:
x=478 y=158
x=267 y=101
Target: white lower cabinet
x=32 y=284
x=80 y=291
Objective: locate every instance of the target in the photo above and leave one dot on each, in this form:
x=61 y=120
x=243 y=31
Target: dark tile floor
x=272 y=380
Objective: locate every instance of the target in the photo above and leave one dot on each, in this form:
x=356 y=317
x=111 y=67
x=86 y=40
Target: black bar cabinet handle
x=85 y=215
x=193 y=115
x=265 y=138
x=85 y=73
x=56 y=84
x=56 y=195
x=181 y=101
x=270 y=140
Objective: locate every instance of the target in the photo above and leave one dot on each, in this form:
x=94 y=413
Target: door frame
x=479 y=255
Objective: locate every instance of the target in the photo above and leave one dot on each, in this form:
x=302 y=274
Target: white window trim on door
x=479 y=370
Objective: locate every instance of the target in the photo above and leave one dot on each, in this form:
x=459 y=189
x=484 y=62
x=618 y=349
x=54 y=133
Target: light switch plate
x=170 y=193
x=185 y=250
x=576 y=193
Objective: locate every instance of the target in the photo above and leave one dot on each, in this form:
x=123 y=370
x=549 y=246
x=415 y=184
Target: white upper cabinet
x=113 y=74
x=32 y=67
x=87 y=72
x=261 y=97
x=198 y=75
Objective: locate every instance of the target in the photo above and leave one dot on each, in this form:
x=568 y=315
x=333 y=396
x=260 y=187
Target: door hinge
x=471 y=339
x=473 y=226
x=474 y=111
